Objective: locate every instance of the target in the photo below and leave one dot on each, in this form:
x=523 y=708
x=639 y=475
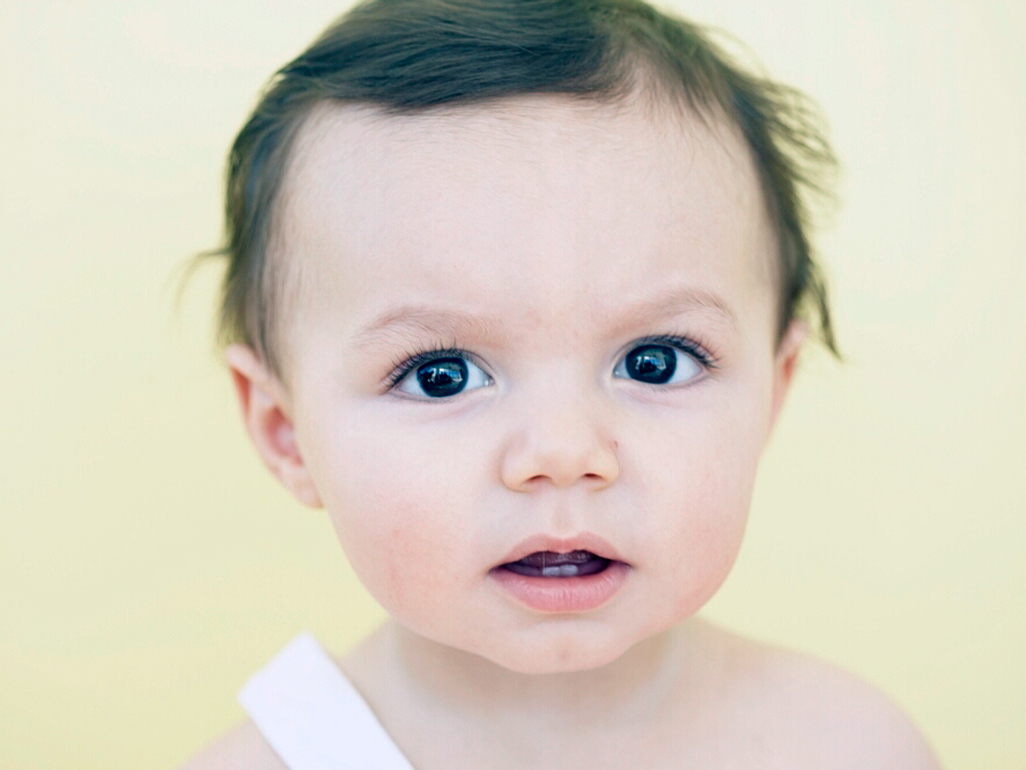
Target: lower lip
x=567 y=594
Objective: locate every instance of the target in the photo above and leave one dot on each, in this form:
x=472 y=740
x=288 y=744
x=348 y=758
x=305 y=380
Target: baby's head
x=515 y=291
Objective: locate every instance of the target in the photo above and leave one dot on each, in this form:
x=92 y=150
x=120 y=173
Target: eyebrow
x=678 y=301
x=396 y=323
x=421 y=320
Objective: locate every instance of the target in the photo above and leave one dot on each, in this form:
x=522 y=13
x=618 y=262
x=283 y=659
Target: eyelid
x=407 y=364
x=698 y=360
x=699 y=352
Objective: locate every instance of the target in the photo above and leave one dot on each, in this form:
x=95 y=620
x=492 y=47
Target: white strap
x=313 y=717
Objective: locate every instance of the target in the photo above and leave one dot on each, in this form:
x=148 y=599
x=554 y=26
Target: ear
x=785 y=361
x=265 y=412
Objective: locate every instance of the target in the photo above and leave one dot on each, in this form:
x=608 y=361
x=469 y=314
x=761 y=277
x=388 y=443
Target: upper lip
x=585 y=541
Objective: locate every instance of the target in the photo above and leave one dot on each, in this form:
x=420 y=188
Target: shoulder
x=815 y=714
x=843 y=719
x=242 y=747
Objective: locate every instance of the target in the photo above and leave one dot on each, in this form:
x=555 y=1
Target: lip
x=563 y=594
x=585 y=541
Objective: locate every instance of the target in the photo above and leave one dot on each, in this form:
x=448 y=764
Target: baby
x=516 y=289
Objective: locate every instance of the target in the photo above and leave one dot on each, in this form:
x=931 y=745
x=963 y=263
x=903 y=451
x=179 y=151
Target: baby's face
x=526 y=331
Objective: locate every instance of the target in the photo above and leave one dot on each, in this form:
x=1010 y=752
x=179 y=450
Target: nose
x=562 y=445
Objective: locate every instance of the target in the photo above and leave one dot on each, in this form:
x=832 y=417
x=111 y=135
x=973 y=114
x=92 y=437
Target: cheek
x=706 y=540
x=398 y=511
x=708 y=468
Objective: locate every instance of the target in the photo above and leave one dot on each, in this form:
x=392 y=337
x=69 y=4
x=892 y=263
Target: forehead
x=540 y=192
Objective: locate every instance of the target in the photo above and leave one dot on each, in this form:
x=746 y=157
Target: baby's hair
x=411 y=56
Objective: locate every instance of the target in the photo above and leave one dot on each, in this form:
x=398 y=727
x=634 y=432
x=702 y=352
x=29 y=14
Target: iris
x=442 y=377
x=652 y=363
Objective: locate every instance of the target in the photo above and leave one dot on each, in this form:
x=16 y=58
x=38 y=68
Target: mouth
x=551 y=564
x=559 y=576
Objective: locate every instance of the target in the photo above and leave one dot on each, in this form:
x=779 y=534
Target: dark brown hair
x=408 y=56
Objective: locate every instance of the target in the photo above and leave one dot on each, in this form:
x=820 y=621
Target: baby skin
x=530 y=361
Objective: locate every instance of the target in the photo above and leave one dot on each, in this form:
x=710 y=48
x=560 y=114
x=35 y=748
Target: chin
x=560 y=653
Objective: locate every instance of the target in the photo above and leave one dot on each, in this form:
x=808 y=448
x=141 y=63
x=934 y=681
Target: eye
x=438 y=375
x=659 y=364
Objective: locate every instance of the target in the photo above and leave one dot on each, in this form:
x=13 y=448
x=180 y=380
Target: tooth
x=560 y=570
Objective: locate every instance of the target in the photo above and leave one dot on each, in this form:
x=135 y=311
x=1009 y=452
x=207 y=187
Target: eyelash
x=409 y=362
x=693 y=348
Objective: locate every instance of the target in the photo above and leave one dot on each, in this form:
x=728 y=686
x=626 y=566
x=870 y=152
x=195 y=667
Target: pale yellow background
x=148 y=564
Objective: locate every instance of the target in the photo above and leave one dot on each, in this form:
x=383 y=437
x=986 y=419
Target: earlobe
x=266 y=415
x=784 y=364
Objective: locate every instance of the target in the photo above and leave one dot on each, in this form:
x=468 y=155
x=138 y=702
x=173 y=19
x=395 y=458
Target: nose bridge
x=561 y=435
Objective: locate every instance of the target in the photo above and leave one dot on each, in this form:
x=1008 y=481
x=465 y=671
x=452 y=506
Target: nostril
x=542 y=477
x=534 y=464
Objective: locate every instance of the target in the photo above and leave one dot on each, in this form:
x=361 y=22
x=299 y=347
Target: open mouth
x=552 y=580
x=549 y=564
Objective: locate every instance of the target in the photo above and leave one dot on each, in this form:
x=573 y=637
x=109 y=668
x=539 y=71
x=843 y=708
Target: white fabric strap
x=313 y=717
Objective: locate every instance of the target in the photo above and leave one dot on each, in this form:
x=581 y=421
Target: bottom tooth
x=561 y=570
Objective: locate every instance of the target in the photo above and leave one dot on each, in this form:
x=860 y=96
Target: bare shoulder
x=818 y=715
x=837 y=714
x=242 y=748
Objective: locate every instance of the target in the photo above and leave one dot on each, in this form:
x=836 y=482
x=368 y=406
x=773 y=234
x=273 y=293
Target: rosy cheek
x=378 y=545
x=398 y=567
x=399 y=553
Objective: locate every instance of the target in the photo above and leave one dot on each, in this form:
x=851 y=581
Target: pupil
x=652 y=363
x=443 y=376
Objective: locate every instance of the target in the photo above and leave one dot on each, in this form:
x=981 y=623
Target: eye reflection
x=652 y=363
x=442 y=377
x=657 y=365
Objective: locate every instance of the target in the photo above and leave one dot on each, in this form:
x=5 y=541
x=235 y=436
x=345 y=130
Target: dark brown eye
x=658 y=363
x=442 y=377
x=651 y=363
x=440 y=374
